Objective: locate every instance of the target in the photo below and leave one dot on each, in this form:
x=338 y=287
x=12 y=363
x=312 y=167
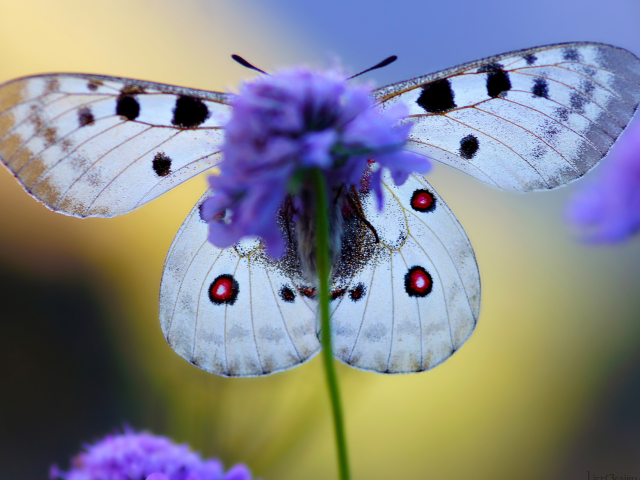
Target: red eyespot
x=287 y=294
x=423 y=201
x=224 y=290
x=338 y=293
x=309 y=292
x=357 y=292
x=418 y=282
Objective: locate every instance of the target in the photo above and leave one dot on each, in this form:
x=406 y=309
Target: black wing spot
x=562 y=113
x=94 y=84
x=539 y=151
x=128 y=107
x=287 y=294
x=571 y=54
x=498 y=83
x=437 y=97
x=189 y=112
x=530 y=59
x=540 y=88
x=578 y=102
x=550 y=130
x=490 y=67
x=161 y=164
x=85 y=117
x=469 y=146
x=589 y=88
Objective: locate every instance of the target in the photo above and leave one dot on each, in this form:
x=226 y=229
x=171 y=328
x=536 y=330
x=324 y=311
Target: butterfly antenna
x=244 y=63
x=383 y=63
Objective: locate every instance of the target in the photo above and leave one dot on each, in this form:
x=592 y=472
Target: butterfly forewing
x=414 y=298
x=235 y=311
x=88 y=145
x=528 y=120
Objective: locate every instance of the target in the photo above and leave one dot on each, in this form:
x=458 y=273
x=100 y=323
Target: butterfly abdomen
x=306 y=234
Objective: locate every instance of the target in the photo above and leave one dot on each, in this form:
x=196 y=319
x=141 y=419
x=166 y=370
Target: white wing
x=409 y=302
x=88 y=145
x=235 y=312
x=528 y=120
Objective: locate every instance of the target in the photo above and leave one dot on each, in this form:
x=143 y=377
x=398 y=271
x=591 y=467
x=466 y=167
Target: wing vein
x=504 y=144
x=253 y=323
x=43 y=128
x=364 y=312
x=286 y=328
x=203 y=157
x=88 y=208
x=535 y=135
x=414 y=140
x=97 y=160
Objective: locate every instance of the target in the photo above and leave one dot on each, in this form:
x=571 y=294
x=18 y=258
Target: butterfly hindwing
x=234 y=311
x=410 y=301
x=529 y=120
x=89 y=145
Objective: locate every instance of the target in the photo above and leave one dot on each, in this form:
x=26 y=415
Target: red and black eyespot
x=418 y=282
x=224 y=290
x=338 y=293
x=309 y=292
x=286 y=294
x=358 y=292
x=423 y=201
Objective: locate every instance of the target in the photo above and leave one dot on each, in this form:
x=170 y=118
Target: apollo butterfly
x=406 y=290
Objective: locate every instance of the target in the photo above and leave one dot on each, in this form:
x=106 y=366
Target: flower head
x=608 y=209
x=294 y=121
x=142 y=456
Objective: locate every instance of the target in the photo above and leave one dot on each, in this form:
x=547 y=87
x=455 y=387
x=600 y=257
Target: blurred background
x=547 y=387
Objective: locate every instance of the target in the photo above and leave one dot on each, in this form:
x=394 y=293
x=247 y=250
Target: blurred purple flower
x=607 y=210
x=142 y=456
x=292 y=121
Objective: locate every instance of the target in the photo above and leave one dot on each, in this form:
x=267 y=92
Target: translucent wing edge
x=219 y=97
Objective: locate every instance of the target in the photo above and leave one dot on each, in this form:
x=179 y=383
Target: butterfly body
x=405 y=283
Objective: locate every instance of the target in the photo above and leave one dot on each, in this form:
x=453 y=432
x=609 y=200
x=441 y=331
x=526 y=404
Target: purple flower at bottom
x=142 y=456
x=288 y=123
x=607 y=210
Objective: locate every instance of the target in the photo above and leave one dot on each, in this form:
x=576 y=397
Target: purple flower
x=142 y=456
x=293 y=121
x=607 y=210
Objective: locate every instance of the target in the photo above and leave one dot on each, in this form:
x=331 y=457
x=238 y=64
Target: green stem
x=324 y=267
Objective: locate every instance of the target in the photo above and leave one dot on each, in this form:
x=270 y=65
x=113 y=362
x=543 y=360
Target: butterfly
x=405 y=292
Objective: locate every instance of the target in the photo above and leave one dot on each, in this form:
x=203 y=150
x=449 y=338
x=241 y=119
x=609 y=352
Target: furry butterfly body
x=405 y=293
